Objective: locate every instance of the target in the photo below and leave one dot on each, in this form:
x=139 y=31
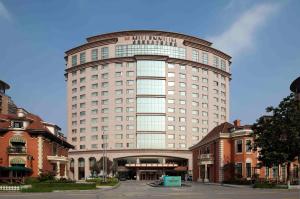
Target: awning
x=19 y=168
x=16 y=168
x=18 y=139
x=17 y=161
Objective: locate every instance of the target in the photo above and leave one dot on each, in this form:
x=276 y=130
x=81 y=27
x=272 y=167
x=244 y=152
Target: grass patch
x=99 y=181
x=49 y=187
x=269 y=186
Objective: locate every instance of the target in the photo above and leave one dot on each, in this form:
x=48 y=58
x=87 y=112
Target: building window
x=151 y=141
x=216 y=61
x=17 y=124
x=239 y=146
x=94 y=54
x=104 y=53
x=74 y=60
x=82 y=58
x=223 y=64
x=205 y=58
x=151 y=105
x=248 y=170
x=151 y=123
x=151 y=68
x=150 y=87
x=150 y=49
x=267 y=169
x=248 y=146
x=239 y=169
x=195 y=55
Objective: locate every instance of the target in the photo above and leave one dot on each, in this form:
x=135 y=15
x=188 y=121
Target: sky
x=261 y=36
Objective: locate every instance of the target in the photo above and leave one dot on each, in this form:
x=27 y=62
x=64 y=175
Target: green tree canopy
x=277 y=136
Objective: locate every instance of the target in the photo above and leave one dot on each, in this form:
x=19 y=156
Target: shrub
x=264 y=185
x=31 y=180
x=47 y=176
x=238 y=181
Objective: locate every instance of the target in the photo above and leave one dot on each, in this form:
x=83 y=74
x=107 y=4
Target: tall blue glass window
x=131 y=50
x=151 y=123
x=151 y=68
x=151 y=87
x=151 y=141
x=151 y=105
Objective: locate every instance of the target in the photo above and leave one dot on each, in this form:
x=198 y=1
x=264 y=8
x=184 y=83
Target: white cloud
x=4 y=12
x=241 y=34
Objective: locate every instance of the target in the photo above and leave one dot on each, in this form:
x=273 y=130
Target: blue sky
x=261 y=36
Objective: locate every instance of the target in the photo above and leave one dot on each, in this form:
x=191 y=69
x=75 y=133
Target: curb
x=109 y=188
x=228 y=185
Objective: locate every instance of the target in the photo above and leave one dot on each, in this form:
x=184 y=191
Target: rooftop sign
x=152 y=40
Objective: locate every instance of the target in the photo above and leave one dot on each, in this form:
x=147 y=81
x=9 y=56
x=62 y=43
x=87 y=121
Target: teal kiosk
x=172 y=181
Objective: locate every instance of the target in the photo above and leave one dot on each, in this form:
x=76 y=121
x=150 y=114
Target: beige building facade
x=145 y=96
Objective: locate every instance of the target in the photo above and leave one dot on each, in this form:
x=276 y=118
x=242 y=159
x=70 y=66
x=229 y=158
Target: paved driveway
x=139 y=190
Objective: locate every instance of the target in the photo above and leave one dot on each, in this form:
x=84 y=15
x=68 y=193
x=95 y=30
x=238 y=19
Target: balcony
x=16 y=150
x=206 y=158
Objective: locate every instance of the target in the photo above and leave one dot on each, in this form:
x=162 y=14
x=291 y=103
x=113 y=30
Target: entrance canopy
x=16 y=168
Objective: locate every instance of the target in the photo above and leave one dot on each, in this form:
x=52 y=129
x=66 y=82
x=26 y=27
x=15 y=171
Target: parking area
x=140 y=190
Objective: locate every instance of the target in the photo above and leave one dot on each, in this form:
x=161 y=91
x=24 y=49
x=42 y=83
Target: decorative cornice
x=147 y=57
x=153 y=32
x=131 y=151
x=112 y=38
x=91 y=45
x=208 y=49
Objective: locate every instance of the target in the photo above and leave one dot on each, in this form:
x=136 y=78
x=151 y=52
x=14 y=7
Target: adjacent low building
x=31 y=146
x=225 y=154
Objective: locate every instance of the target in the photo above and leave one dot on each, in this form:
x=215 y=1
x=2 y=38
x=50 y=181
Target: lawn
x=99 y=181
x=49 y=187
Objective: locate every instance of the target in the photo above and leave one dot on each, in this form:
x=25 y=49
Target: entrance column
x=65 y=174
x=58 y=169
x=138 y=175
x=199 y=174
x=87 y=171
x=205 y=173
x=75 y=174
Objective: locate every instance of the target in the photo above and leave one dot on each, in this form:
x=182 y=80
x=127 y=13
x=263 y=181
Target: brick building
x=30 y=146
x=225 y=153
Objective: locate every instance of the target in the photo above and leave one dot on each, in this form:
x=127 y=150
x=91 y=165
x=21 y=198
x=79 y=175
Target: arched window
x=81 y=162
x=72 y=163
x=92 y=161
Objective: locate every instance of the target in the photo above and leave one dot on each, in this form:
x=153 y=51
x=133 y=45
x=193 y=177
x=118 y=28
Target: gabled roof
x=222 y=128
x=36 y=126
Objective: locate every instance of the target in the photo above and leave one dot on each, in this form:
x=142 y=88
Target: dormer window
x=17 y=124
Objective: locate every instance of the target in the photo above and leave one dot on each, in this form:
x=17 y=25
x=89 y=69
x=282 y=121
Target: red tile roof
x=222 y=128
x=35 y=126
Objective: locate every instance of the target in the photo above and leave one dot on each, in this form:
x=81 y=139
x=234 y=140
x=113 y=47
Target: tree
x=98 y=166
x=277 y=137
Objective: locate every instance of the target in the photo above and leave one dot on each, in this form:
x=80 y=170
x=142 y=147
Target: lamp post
x=104 y=157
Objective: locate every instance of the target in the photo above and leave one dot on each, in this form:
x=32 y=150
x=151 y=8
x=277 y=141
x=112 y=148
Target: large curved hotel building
x=146 y=97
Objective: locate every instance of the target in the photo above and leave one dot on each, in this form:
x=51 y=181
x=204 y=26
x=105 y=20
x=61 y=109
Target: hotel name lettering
x=153 y=40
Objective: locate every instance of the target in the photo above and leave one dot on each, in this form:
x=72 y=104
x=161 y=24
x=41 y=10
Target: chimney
x=21 y=112
x=237 y=123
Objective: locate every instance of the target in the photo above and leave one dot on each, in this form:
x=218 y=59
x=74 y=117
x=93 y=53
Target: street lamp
x=104 y=156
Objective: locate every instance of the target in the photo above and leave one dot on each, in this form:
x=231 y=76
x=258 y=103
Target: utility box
x=172 y=181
